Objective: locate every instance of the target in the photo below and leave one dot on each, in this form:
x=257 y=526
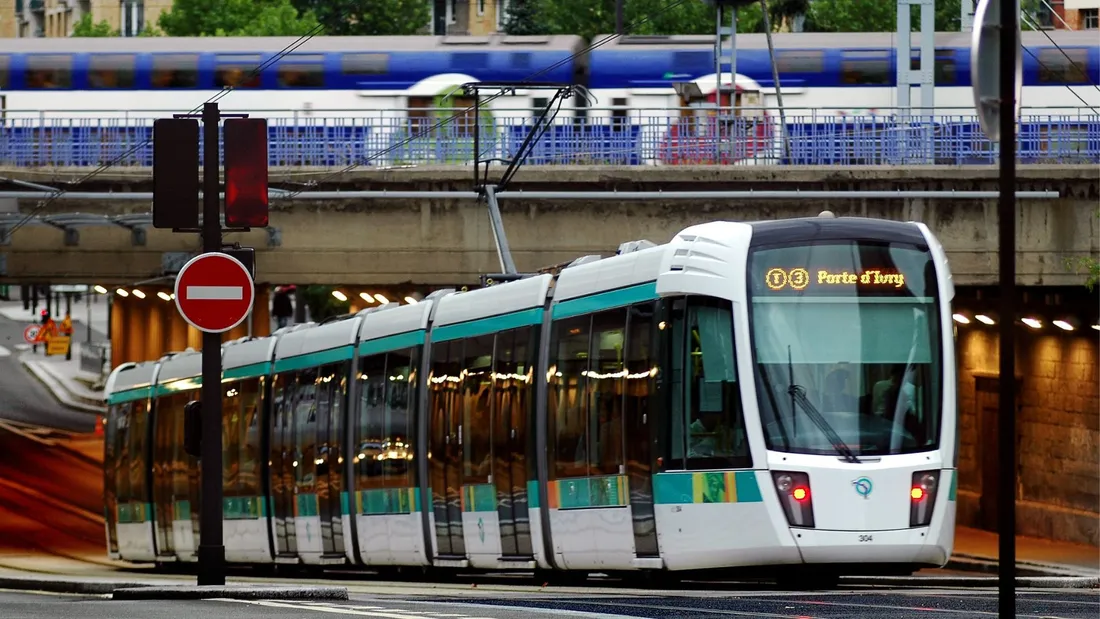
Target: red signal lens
x=917 y=493
x=246 y=173
x=800 y=494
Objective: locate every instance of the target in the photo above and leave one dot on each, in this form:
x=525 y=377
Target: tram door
x=511 y=401
x=445 y=448
x=164 y=503
x=639 y=411
x=283 y=461
x=328 y=427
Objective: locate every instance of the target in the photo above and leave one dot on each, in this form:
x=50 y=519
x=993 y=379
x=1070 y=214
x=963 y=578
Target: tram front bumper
x=915 y=546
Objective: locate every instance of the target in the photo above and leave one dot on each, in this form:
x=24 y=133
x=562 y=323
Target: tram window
x=111 y=71
x=641 y=376
x=476 y=391
x=234 y=75
x=605 y=392
x=873 y=72
x=1056 y=68
x=5 y=71
x=250 y=437
x=231 y=438
x=49 y=71
x=305 y=417
x=565 y=393
x=944 y=70
x=175 y=71
x=707 y=412
x=121 y=452
x=512 y=397
x=400 y=407
x=369 y=428
x=800 y=61
x=301 y=75
x=364 y=64
x=138 y=492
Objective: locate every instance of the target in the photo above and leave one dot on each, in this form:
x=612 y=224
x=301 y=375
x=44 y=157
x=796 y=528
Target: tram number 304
x=866 y=538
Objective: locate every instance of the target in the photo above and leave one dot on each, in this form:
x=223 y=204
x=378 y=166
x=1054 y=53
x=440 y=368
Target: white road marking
x=4 y=352
x=22 y=346
x=362 y=611
x=214 y=293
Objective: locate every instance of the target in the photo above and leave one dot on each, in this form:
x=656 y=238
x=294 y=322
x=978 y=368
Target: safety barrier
x=648 y=137
x=93 y=357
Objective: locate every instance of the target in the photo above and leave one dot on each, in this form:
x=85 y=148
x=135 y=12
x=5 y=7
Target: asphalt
x=841 y=604
x=22 y=397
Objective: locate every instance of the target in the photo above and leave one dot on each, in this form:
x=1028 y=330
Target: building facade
x=1070 y=14
x=57 y=18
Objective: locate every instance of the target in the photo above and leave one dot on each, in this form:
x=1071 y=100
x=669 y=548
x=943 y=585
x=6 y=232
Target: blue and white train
x=773 y=395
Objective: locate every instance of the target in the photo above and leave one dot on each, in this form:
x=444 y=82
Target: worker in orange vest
x=67 y=331
x=48 y=330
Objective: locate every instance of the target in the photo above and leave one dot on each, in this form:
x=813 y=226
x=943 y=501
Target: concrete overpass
x=441 y=242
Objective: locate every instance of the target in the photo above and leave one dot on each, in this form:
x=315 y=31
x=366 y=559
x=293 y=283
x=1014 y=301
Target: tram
x=776 y=396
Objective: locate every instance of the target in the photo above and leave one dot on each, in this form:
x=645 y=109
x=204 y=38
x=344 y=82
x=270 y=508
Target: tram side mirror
x=192 y=428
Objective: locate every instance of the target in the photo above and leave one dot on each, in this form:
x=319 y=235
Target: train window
x=5 y=71
x=944 y=70
x=708 y=425
x=619 y=109
x=865 y=71
x=370 y=431
x=302 y=71
x=565 y=396
x=111 y=71
x=800 y=62
x=364 y=64
x=400 y=402
x=231 y=439
x=49 y=71
x=1056 y=68
x=238 y=72
x=175 y=71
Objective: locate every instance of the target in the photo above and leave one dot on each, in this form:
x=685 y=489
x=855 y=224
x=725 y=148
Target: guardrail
x=640 y=137
x=93 y=357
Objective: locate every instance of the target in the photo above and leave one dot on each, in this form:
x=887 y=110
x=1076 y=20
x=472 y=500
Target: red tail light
x=794 y=495
x=922 y=497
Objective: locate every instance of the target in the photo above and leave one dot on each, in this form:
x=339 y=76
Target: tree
x=873 y=16
x=1088 y=266
x=322 y=304
x=369 y=17
x=87 y=28
x=191 y=18
x=523 y=18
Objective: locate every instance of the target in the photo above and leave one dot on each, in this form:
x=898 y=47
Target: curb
x=1028 y=582
x=64 y=586
x=58 y=389
x=231 y=592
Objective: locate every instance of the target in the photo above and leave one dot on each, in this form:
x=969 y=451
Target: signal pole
x=175 y=195
x=211 y=542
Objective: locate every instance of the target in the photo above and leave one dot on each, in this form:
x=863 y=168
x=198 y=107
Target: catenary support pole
x=211 y=544
x=1006 y=498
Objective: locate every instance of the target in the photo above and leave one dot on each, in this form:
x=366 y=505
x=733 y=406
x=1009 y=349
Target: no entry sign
x=214 y=292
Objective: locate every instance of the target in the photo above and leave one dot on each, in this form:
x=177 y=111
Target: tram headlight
x=922 y=497
x=794 y=495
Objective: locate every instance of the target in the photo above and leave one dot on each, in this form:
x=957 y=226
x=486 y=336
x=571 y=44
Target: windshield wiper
x=798 y=394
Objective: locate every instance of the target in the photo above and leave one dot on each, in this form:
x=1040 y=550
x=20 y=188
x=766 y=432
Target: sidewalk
x=977 y=550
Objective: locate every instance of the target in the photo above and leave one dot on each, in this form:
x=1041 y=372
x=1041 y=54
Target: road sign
x=30 y=334
x=985 y=64
x=214 y=292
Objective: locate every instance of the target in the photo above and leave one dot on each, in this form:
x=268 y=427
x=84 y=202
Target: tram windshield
x=847 y=348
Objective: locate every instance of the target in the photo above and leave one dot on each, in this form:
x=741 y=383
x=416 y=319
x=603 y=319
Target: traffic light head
x=246 y=173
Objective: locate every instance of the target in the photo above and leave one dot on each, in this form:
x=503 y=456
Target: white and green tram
x=774 y=396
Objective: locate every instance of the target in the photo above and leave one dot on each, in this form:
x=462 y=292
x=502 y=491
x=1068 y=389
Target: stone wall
x=1058 y=430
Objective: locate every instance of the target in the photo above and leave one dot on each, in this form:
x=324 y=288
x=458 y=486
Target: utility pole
x=175 y=194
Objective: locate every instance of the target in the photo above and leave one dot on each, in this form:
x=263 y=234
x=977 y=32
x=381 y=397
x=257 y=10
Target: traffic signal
x=246 y=173
x=192 y=428
x=176 y=173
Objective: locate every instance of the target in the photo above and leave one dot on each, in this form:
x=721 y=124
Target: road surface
x=22 y=397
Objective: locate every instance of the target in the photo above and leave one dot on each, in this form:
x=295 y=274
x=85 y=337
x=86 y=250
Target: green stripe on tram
x=391 y=342
x=605 y=300
x=483 y=326
x=130 y=395
x=177 y=385
x=314 y=359
x=387 y=501
x=251 y=370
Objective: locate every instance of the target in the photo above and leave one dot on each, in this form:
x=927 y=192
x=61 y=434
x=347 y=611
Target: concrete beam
x=442 y=242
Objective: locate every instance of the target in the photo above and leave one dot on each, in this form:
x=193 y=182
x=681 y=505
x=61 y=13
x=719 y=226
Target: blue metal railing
x=651 y=137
